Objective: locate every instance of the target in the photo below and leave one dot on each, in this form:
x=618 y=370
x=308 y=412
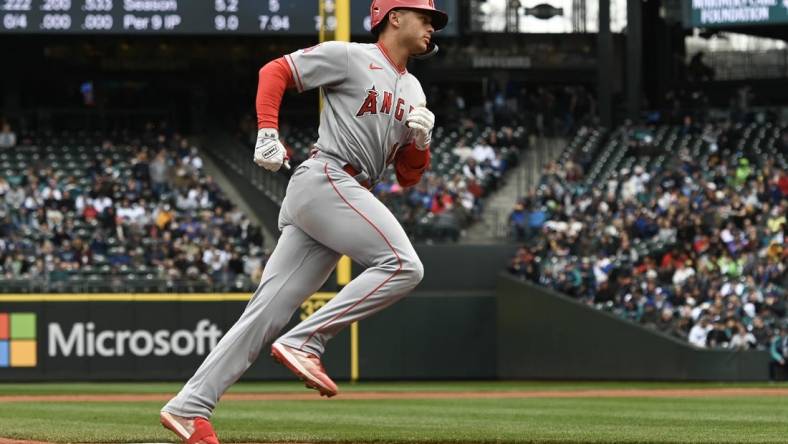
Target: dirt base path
x=311 y=396
x=15 y=441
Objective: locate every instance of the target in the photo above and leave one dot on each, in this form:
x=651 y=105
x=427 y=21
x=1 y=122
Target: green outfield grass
x=544 y=420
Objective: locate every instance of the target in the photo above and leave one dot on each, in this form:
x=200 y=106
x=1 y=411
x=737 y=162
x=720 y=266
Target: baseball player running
x=374 y=115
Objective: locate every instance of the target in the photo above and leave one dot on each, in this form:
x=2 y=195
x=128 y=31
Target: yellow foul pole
x=343 y=20
x=335 y=25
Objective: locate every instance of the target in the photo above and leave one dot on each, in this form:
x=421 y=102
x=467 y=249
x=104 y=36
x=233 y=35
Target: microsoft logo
x=17 y=340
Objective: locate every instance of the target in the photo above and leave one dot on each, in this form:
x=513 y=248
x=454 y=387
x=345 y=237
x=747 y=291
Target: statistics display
x=725 y=13
x=270 y=17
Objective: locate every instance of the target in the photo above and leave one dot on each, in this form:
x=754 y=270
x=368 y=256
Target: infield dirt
x=371 y=395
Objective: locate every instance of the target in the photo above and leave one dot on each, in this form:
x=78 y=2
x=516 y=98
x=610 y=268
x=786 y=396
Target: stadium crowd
x=144 y=209
x=492 y=134
x=696 y=249
x=469 y=161
x=449 y=198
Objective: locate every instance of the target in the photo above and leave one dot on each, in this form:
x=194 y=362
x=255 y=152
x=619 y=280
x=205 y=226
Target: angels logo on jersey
x=370 y=105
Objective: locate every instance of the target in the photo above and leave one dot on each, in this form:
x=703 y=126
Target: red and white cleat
x=190 y=430
x=307 y=367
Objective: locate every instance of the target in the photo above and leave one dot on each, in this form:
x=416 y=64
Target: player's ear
x=394 y=18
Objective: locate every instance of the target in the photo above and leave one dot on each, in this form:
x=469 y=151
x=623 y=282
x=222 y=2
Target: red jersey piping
x=385 y=53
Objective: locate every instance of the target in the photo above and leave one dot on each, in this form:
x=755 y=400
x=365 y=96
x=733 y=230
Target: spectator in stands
x=483 y=151
x=699 y=333
x=215 y=258
x=5 y=187
x=536 y=218
x=778 y=352
x=159 y=173
x=7 y=137
x=719 y=336
x=742 y=339
x=760 y=332
x=743 y=172
x=462 y=150
x=463 y=196
x=193 y=160
x=473 y=171
x=523 y=264
x=442 y=201
x=666 y=320
x=518 y=222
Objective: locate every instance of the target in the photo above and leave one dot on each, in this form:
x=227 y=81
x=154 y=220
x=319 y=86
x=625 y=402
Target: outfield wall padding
x=462 y=268
x=521 y=332
x=543 y=334
x=424 y=336
x=450 y=268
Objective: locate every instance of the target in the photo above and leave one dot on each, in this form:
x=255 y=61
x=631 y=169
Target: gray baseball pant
x=325 y=214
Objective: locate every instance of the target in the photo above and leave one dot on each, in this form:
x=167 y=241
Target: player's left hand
x=421 y=120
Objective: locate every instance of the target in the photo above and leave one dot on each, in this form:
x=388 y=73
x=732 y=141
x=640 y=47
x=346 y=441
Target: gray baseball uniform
x=366 y=99
x=326 y=213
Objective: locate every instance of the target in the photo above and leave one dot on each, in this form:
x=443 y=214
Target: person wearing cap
x=375 y=117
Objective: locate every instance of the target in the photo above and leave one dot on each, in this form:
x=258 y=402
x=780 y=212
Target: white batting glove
x=269 y=152
x=421 y=120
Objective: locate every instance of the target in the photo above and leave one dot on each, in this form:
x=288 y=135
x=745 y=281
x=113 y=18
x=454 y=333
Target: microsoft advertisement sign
x=115 y=340
x=728 y=13
x=83 y=339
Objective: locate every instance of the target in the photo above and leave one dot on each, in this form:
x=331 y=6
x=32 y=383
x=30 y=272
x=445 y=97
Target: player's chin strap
x=431 y=51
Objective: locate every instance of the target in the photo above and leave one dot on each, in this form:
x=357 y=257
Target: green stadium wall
x=466 y=321
x=543 y=334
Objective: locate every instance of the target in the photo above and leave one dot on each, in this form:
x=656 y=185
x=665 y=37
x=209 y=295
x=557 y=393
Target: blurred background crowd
x=134 y=207
x=691 y=241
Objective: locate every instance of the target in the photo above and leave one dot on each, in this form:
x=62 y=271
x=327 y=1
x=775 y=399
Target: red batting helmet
x=380 y=9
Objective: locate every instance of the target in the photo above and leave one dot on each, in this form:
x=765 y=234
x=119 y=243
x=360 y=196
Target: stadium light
x=544 y=11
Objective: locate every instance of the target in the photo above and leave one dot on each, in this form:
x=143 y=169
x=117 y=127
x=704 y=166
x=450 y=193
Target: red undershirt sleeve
x=274 y=78
x=410 y=163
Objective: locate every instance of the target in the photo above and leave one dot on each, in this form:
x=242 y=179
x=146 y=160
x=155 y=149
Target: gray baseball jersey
x=366 y=100
x=326 y=213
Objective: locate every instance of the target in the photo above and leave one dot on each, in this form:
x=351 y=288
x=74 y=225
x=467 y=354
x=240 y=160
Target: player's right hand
x=269 y=152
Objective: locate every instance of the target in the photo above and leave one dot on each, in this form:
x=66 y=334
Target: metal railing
x=239 y=159
x=544 y=151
